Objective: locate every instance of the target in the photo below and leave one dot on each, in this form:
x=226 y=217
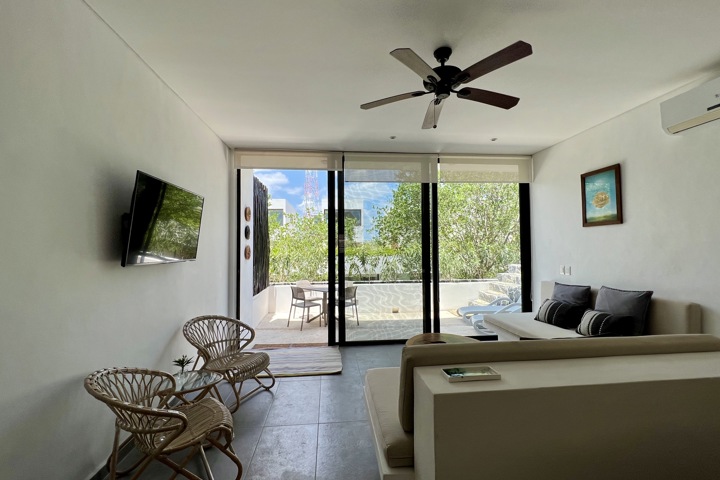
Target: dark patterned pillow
x=560 y=314
x=606 y=324
x=573 y=294
x=632 y=303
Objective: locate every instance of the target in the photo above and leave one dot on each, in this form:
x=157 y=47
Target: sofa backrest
x=482 y=352
x=664 y=316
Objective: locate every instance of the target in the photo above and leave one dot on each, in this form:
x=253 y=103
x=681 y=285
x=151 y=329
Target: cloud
x=295 y=191
x=274 y=181
x=377 y=192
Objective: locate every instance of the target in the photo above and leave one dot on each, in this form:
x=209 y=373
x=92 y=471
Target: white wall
x=669 y=240
x=248 y=311
x=79 y=114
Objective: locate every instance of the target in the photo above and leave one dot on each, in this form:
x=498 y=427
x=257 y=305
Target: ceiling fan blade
x=415 y=63
x=491 y=98
x=506 y=56
x=433 y=113
x=395 y=98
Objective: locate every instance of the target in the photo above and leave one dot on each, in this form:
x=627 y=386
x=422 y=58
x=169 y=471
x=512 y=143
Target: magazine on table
x=467 y=374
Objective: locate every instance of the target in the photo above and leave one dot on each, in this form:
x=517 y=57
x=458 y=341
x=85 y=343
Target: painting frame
x=602 y=188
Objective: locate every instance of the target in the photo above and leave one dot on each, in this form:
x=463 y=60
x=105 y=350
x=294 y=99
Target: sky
x=290 y=185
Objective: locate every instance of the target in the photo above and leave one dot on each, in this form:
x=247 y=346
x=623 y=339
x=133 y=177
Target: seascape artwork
x=601 y=197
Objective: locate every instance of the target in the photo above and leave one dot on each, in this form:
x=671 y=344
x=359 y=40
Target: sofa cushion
x=560 y=314
x=383 y=386
x=606 y=324
x=573 y=294
x=625 y=303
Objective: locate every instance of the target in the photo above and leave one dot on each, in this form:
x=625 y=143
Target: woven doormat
x=298 y=362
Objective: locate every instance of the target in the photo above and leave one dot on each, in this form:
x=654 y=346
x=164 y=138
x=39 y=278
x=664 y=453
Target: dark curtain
x=261 y=239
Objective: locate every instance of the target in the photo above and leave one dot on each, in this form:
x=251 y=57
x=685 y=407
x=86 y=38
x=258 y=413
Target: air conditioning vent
x=692 y=108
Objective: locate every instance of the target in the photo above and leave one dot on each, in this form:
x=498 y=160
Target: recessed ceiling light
x=493 y=139
x=392 y=137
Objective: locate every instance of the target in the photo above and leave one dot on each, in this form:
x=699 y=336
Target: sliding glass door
x=480 y=267
x=386 y=201
x=392 y=245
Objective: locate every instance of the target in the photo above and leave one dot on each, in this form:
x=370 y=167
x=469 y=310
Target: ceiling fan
x=445 y=79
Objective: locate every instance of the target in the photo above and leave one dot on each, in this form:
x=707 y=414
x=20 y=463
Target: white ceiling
x=289 y=74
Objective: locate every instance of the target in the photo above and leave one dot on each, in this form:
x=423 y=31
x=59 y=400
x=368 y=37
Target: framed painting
x=601 y=196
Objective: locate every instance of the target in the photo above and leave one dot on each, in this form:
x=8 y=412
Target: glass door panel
x=384 y=250
x=479 y=254
x=299 y=308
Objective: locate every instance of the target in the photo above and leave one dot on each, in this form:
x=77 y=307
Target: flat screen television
x=163 y=225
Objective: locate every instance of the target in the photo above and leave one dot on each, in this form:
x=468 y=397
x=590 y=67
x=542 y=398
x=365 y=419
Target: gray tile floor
x=305 y=428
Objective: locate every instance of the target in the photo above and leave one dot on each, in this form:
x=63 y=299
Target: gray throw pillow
x=631 y=303
x=596 y=323
x=572 y=294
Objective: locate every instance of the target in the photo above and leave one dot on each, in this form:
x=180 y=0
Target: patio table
x=324 y=289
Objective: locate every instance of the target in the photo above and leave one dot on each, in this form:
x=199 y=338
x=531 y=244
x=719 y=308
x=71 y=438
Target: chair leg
x=290 y=314
x=179 y=468
x=228 y=450
x=357 y=317
x=205 y=463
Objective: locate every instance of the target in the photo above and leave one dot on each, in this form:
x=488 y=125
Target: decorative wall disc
x=247 y=214
x=247 y=252
x=247 y=232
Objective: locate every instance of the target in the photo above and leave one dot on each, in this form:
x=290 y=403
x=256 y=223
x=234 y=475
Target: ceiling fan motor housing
x=442 y=87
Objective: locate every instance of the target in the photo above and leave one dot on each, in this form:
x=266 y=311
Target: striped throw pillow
x=606 y=324
x=560 y=314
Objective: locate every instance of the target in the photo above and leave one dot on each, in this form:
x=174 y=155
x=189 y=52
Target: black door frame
x=430 y=257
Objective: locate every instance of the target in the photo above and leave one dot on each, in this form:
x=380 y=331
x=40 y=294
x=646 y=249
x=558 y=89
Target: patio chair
x=495 y=306
x=299 y=299
x=478 y=319
x=309 y=295
x=351 y=300
x=138 y=397
x=220 y=342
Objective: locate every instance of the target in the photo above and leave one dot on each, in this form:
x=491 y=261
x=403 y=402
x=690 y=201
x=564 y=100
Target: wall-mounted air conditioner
x=692 y=108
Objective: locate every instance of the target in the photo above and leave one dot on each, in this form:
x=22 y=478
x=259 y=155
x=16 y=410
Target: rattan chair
x=139 y=398
x=220 y=342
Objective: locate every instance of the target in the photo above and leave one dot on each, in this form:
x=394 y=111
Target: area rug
x=268 y=346
x=298 y=362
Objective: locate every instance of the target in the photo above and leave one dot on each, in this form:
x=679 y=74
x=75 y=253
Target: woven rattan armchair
x=220 y=342
x=139 y=399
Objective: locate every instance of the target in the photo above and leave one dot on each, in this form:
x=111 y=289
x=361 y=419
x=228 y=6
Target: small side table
x=201 y=381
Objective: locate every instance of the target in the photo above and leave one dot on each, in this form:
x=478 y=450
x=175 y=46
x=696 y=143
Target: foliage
x=182 y=362
x=298 y=249
x=478 y=230
x=478 y=233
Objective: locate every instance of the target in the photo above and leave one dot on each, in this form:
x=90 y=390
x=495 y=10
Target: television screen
x=163 y=225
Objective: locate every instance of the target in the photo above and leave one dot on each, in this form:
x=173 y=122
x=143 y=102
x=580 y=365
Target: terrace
x=387 y=311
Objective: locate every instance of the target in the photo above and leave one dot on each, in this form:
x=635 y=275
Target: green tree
x=298 y=249
x=478 y=230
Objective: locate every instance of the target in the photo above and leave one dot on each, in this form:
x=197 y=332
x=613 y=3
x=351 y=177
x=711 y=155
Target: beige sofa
x=622 y=407
x=664 y=317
